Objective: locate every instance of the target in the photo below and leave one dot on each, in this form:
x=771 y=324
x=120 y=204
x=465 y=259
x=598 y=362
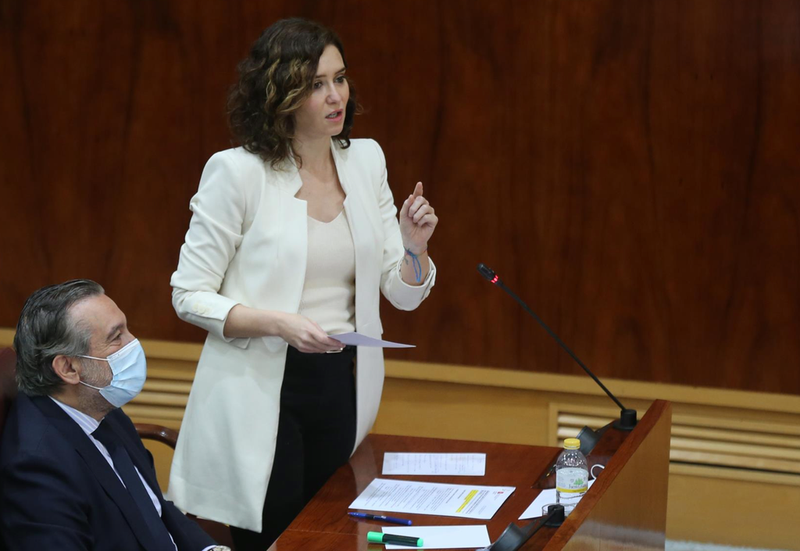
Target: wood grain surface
x=630 y=168
x=614 y=511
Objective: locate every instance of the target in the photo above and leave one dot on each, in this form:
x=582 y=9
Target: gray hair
x=45 y=330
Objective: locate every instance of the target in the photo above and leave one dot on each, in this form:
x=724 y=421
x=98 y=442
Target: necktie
x=124 y=466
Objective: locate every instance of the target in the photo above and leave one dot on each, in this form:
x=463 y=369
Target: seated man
x=73 y=472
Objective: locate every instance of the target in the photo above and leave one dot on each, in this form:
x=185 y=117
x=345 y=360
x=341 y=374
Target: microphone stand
x=514 y=537
x=627 y=418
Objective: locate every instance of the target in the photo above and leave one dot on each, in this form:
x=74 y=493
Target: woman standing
x=293 y=237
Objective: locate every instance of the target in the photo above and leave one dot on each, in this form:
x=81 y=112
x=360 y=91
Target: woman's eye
x=317 y=85
x=340 y=79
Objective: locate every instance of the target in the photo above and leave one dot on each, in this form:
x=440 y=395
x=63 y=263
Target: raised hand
x=417 y=221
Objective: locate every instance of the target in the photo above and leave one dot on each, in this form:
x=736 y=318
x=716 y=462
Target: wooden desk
x=626 y=507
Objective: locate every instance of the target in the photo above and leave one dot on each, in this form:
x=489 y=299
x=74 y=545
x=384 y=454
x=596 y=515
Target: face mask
x=129 y=371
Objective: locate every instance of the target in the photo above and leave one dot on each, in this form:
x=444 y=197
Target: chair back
x=8 y=391
x=8 y=384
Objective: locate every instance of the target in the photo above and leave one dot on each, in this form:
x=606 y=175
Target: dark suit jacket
x=58 y=492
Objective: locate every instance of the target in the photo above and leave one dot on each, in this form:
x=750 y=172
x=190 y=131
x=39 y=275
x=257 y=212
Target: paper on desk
x=459 y=464
x=545 y=498
x=428 y=498
x=442 y=537
x=357 y=339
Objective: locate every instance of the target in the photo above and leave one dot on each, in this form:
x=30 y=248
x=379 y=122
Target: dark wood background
x=629 y=167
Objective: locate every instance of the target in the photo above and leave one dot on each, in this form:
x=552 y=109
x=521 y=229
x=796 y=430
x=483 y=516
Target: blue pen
x=403 y=521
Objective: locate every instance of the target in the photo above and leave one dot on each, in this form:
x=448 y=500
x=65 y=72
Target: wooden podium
x=626 y=508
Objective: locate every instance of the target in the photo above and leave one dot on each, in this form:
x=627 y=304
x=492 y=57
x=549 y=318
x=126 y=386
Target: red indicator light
x=495 y=279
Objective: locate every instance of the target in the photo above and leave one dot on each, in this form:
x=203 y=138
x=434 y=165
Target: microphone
x=627 y=418
x=514 y=537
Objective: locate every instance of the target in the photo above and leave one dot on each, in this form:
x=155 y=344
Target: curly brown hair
x=274 y=81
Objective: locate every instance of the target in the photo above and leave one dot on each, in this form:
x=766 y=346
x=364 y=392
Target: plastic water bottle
x=572 y=475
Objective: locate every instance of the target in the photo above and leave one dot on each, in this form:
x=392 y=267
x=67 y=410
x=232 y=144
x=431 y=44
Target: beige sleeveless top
x=329 y=290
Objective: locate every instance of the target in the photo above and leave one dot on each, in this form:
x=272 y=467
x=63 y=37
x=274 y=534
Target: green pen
x=379 y=537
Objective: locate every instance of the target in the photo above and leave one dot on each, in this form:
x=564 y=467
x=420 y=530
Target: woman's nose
x=334 y=96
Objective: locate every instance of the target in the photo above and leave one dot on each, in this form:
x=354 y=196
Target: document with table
x=457 y=464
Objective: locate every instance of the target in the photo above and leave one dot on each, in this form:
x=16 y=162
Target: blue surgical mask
x=129 y=371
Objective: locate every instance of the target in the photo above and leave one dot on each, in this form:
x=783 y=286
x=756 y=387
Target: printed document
x=442 y=537
x=428 y=498
x=459 y=464
x=546 y=497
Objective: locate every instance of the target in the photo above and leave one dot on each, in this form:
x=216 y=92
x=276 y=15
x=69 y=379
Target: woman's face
x=322 y=114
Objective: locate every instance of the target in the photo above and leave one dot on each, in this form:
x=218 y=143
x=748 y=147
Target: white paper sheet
x=459 y=464
x=545 y=498
x=428 y=498
x=442 y=537
x=357 y=339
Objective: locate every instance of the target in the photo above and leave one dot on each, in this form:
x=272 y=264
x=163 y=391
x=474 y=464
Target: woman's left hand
x=417 y=221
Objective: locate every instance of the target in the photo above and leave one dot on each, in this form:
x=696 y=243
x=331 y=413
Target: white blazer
x=247 y=244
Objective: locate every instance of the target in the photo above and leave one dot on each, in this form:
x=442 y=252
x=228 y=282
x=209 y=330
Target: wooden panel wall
x=630 y=167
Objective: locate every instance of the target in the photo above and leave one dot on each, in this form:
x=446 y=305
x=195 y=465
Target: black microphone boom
x=627 y=418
